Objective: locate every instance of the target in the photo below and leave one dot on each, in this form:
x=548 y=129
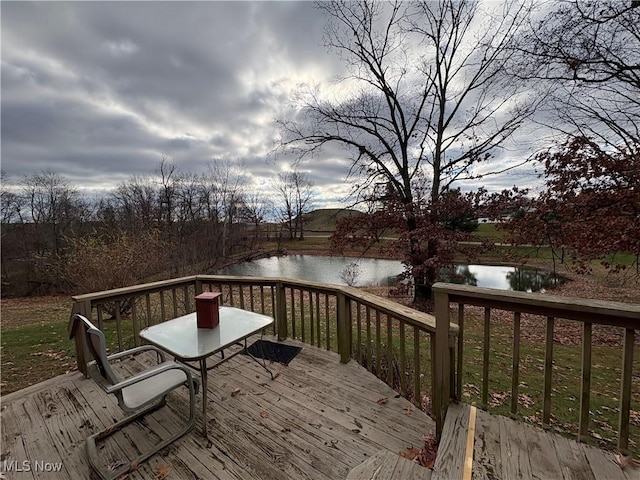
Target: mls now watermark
x=30 y=466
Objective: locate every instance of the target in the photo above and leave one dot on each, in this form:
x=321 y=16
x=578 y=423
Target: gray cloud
x=100 y=91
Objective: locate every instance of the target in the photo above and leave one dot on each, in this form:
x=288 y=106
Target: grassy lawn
x=35 y=344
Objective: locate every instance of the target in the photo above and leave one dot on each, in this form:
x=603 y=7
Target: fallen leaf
x=276 y=375
x=624 y=461
x=264 y=414
x=410 y=453
x=408 y=410
x=383 y=400
x=162 y=472
x=235 y=392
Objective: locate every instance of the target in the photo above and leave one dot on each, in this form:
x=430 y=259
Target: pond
x=373 y=271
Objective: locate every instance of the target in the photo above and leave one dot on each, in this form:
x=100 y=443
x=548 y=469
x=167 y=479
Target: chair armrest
x=152 y=372
x=133 y=351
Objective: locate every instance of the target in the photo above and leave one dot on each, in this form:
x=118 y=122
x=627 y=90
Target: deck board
x=505 y=449
x=317 y=420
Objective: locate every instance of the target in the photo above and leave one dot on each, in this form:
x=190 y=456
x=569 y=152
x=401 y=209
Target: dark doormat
x=273 y=352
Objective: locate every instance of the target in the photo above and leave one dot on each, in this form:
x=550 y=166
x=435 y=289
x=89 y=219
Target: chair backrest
x=98 y=348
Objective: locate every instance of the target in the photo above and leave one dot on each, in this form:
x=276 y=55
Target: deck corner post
x=281 y=311
x=344 y=327
x=82 y=350
x=442 y=360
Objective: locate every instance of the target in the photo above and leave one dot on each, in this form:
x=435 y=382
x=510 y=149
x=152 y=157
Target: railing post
x=281 y=309
x=442 y=361
x=82 y=350
x=344 y=327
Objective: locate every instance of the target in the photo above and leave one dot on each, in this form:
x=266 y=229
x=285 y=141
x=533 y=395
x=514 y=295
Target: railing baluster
x=163 y=313
x=119 y=325
x=187 y=307
x=174 y=297
x=625 y=390
x=134 y=319
x=369 y=352
x=359 y=332
x=327 y=322
x=459 y=364
x=417 y=396
x=485 y=359
x=403 y=364
x=293 y=313
x=548 y=371
x=585 y=387
x=378 y=341
x=100 y=322
x=281 y=316
x=231 y=300
x=389 y=351
x=148 y=305
x=311 y=319
x=302 y=325
x=515 y=366
x=241 y=294
x=318 y=325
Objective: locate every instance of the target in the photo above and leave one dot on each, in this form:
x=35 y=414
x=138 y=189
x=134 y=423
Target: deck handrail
x=448 y=372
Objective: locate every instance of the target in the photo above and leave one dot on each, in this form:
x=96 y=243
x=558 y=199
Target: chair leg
x=132 y=465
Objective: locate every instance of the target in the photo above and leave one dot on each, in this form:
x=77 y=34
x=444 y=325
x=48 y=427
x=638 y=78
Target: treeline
x=57 y=239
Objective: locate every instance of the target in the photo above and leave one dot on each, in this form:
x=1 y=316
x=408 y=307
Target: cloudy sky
x=98 y=92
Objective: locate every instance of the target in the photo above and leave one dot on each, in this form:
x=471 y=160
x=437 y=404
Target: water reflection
x=379 y=272
x=523 y=279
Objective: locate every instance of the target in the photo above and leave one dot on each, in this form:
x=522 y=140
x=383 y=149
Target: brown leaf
x=408 y=410
x=410 y=453
x=624 y=461
x=162 y=472
x=264 y=414
x=235 y=392
x=276 y=375
x=383 y=400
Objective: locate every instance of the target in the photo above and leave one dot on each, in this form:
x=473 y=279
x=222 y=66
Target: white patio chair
x=141 y=393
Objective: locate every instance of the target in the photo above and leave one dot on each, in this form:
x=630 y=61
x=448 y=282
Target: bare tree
x=223 y=199
x=169 y=178
x=295 y=197
x=135 y=203
x=11 y=203
x=589 y=54
x=426 y=96
x=255 y=209
x=54 y=208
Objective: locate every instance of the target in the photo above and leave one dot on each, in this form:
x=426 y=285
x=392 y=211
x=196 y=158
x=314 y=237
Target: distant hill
x=324 y=220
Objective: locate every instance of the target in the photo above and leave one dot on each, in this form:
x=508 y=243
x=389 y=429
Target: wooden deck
x=319 y=419
x=501 y=448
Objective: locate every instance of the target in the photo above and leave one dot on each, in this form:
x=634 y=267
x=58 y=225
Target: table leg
x=203 y=375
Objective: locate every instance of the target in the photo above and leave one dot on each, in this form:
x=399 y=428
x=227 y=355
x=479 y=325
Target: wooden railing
x=392 y=341
x=419 y=355
x=449 y=370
